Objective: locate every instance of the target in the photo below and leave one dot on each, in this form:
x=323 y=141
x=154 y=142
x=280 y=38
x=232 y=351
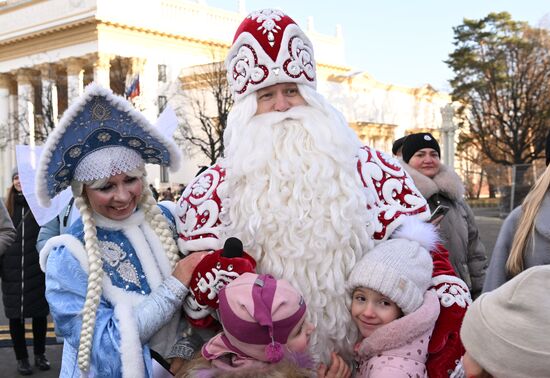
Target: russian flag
x=133 y=90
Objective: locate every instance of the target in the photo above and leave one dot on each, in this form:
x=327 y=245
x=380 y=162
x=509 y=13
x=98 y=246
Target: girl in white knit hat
x=393 y=309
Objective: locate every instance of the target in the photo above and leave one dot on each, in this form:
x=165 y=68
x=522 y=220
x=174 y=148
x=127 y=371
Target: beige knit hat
x=400 y=269
x=507 y=331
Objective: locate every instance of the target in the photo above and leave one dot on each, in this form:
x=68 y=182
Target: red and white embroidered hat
x=269 y=48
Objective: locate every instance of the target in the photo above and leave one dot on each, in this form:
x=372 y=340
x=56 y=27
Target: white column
x=75 y=79
x=49 y=93
x=101 y=70
x=5 y=158
x=451 y=144
x=13 y=124
x=448 y=135
x=445 y=144
x=25 y=106
x=149 y=86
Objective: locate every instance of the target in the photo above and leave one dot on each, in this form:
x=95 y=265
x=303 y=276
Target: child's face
x=371 y=310
x=299 y=337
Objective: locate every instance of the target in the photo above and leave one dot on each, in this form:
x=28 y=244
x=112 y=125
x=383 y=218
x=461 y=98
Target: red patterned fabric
x=198 y=212
x=269 y=48
x=392 y=194
x=389 y=190
x=445 y=348
x=214 y=272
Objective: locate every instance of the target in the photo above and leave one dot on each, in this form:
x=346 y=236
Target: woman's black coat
x=23 y=283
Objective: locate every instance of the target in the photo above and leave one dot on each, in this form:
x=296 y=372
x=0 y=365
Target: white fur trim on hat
x=399 y=269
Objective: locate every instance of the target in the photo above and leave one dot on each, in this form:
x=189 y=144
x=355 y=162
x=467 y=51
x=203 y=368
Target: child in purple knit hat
x=264 y=331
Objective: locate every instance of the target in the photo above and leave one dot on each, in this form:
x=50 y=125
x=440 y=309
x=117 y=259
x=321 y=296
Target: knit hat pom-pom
x=274 y=352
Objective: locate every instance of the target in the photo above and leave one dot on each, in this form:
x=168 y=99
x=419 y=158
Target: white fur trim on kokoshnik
x=97 y=120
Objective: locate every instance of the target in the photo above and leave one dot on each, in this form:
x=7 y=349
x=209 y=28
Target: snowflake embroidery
x=201 y=185
x=134 y=143
x=267 y=18
x=100 y=112
x=75 y=152
x=104 y=137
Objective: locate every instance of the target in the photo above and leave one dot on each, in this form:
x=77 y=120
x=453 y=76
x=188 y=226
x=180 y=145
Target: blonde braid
x=93 y=292
x=159 y=224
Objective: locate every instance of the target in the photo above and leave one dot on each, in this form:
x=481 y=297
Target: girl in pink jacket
x=393 y=309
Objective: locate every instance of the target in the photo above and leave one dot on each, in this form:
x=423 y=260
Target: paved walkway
x=487 y=221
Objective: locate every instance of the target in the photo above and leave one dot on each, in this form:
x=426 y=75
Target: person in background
x=506 y=332
x=167 y=195
x=397 y=147
x=57 y=226
x=23 y=284
x=154 y=192
x=7 y=232
x=393 y=309
x=524 y=238
x=440 y=185
x=114 y=281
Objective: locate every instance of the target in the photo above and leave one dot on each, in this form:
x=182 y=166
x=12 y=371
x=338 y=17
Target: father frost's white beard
x=294 y=198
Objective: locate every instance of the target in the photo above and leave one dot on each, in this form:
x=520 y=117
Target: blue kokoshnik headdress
x=100 y=123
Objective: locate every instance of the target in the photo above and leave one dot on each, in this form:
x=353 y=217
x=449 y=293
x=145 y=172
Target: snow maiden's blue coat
x=138 y=309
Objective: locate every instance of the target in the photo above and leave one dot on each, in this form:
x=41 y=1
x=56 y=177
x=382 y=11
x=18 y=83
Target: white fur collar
x=446 y=182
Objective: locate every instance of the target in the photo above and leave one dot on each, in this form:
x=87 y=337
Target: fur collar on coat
x=446 y=182
x=403 y=330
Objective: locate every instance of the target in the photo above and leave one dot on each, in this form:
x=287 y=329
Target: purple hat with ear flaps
x=258 y=314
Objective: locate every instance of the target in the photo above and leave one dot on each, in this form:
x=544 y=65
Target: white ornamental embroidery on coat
x=213 y=283
x=114 y=255
x=202 y=185
x=451 y=290
x=128 y=273
x=267 y=18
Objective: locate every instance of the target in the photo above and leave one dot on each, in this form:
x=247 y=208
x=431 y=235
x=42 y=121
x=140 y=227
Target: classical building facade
x=49 y=50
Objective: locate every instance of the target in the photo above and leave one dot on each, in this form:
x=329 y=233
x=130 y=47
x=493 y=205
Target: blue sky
x=401 y=42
